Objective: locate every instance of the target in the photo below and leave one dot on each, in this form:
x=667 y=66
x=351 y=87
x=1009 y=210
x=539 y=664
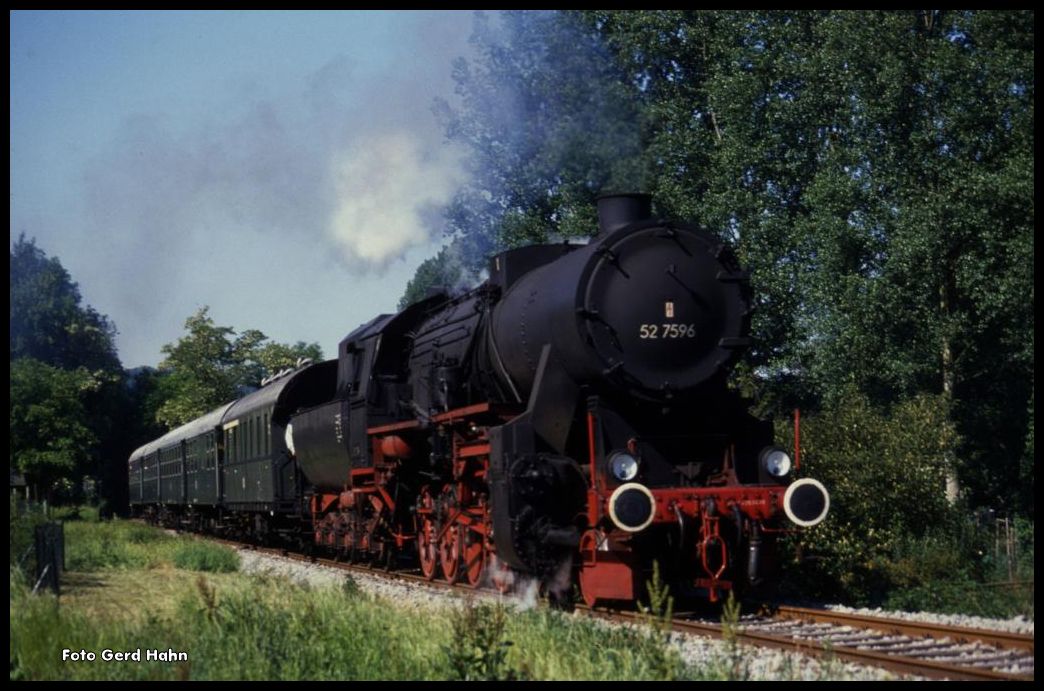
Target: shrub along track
x=927 y=650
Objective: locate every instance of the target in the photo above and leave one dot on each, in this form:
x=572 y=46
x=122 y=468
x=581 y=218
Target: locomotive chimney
x=618 y=210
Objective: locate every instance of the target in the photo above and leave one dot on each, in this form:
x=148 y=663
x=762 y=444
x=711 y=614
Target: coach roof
x=187 y=431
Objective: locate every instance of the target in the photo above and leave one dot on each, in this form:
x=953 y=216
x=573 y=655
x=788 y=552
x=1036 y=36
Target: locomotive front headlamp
x=775 y=461
x=623 y=466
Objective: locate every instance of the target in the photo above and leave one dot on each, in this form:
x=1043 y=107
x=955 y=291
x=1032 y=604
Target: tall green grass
x=266 y=627
x=92 y=545
x=205 y=556
x=263 y=627
x=120 y=544
x=23 y=520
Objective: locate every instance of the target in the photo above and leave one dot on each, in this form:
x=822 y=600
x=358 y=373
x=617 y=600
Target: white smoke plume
x=293 y=190
x=383 y=189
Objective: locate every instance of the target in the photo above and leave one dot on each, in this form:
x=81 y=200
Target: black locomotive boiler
x=567 y=420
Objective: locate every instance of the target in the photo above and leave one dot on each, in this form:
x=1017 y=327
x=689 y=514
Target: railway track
x=933 y=651
x=928 y=650
x=924 y=650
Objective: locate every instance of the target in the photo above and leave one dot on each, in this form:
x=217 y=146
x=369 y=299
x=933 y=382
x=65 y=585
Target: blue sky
x=283 y=168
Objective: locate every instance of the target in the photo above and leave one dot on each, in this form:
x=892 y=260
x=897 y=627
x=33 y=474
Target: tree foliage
x=75 y=413
x=874 y=170
x=50 y=441
x=548 y=124
x=47 y=321
x=853 y=445
x=445 y=271
x=65 y=376
x=212 y=365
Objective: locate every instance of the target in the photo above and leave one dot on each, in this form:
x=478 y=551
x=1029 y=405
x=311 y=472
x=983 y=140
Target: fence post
x=50 y=555
x=1004 y=533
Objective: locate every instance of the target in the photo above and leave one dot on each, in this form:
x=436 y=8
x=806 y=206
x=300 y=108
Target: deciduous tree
x=212 y=365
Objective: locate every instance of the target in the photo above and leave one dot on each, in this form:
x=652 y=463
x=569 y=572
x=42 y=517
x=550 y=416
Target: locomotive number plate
x=667 y=331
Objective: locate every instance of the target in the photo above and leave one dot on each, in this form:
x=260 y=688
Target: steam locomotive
x=568 y=421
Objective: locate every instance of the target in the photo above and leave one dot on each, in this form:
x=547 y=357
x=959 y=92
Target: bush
x=891 y=538
x=478 y=650
x=958 y=572
x=885 y=472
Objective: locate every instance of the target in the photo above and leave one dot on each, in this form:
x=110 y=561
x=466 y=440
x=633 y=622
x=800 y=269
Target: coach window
x=268 y=435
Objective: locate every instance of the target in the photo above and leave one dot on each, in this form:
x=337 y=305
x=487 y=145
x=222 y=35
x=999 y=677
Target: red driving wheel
x=427 y=549
x=449 y=553
x=474 y=557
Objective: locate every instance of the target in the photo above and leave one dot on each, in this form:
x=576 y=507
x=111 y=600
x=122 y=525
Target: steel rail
x=999 y=639
x=903 y=664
